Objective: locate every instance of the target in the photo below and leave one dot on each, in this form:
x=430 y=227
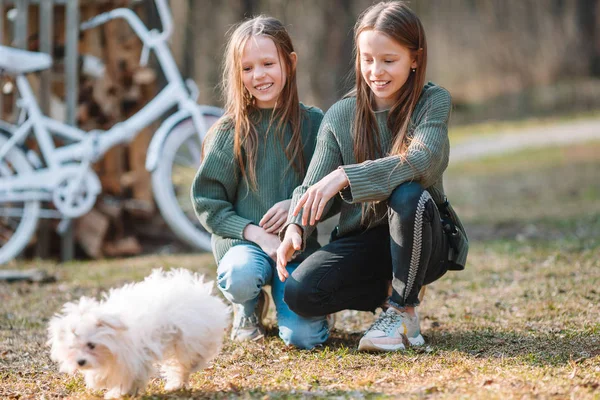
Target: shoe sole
x=368 y=345
x=259 y=336
x=417 y=340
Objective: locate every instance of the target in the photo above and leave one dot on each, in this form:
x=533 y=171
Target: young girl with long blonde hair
x=384 y=149
x=254 y=158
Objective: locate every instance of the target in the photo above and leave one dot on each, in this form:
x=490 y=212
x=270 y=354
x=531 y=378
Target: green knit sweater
x=222 y=199
x=374 y=180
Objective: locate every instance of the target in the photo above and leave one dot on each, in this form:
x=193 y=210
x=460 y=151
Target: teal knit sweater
x=374 y=180
x=222 y=199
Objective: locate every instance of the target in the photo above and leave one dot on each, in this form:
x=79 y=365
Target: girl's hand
x=268 y=242
x=315 y=199
x=274 y=219
x=291 y=243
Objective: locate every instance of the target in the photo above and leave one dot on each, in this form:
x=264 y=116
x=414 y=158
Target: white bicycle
x=63 y=176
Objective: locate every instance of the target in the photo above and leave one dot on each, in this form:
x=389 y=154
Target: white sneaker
x=393 y=331
x=250 y=328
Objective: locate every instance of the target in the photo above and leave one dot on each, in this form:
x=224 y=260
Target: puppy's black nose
x=81 y=362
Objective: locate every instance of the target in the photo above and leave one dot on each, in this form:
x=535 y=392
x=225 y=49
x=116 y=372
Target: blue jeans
x=242 y=273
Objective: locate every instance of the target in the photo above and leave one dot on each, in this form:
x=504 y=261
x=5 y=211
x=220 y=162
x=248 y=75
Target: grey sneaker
x=393 y=331
x=250 y=328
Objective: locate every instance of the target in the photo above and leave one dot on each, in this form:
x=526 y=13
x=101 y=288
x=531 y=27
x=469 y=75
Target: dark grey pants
x=354 y=271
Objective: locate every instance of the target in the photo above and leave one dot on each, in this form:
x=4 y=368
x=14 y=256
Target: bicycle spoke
x=181 y=159
x=195 y=150
x=189 y=154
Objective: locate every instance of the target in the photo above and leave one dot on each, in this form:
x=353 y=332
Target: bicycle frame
x=65 y=179
x=89 y=147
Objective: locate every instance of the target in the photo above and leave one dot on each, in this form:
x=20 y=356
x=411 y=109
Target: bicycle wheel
x=18 y=219
x=172 y=181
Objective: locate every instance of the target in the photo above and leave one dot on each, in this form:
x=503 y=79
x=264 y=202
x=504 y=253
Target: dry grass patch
x=521 y=322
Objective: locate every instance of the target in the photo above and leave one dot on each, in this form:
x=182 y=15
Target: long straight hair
x=401 y=24
x=239 y=104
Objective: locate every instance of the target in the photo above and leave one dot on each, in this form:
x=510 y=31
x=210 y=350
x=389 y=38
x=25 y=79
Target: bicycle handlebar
x=132 y=19
x=135 y=22
x=166 y=19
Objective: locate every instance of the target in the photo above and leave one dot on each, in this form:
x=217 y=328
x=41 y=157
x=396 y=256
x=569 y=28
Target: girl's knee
x=241 y=274
x=239 y=287
x=405 y=196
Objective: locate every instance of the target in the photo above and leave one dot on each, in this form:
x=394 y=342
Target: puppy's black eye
x=91 y=345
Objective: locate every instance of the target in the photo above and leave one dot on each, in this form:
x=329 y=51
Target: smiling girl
x=253 y=159
x=384 y=149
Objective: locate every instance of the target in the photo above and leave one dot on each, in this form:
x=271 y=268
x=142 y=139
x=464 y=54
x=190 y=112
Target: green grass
x=522 y=321
x=555 y=184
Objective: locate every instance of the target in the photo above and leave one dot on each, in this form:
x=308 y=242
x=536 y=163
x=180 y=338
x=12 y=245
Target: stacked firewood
x=123 y=89
x=112 y=87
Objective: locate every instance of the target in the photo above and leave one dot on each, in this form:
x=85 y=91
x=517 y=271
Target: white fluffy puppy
x=170 y=319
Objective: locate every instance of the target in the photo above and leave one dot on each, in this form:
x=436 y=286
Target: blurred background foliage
x=500 y=59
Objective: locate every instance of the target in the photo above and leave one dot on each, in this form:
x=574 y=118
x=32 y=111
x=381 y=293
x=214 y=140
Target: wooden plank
x=46 y=33
x=72 y=87
x=45 y=36
x=60 y=29
x=2 y=16
x=143 y=82
x=127 y=246
x=90 y=44
x=20 y=25
x=142 y=188
x=71 y=59
x=91 y=41
x=137 y=158
x=90 y=231
x=2 y=36
x=113 y=164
